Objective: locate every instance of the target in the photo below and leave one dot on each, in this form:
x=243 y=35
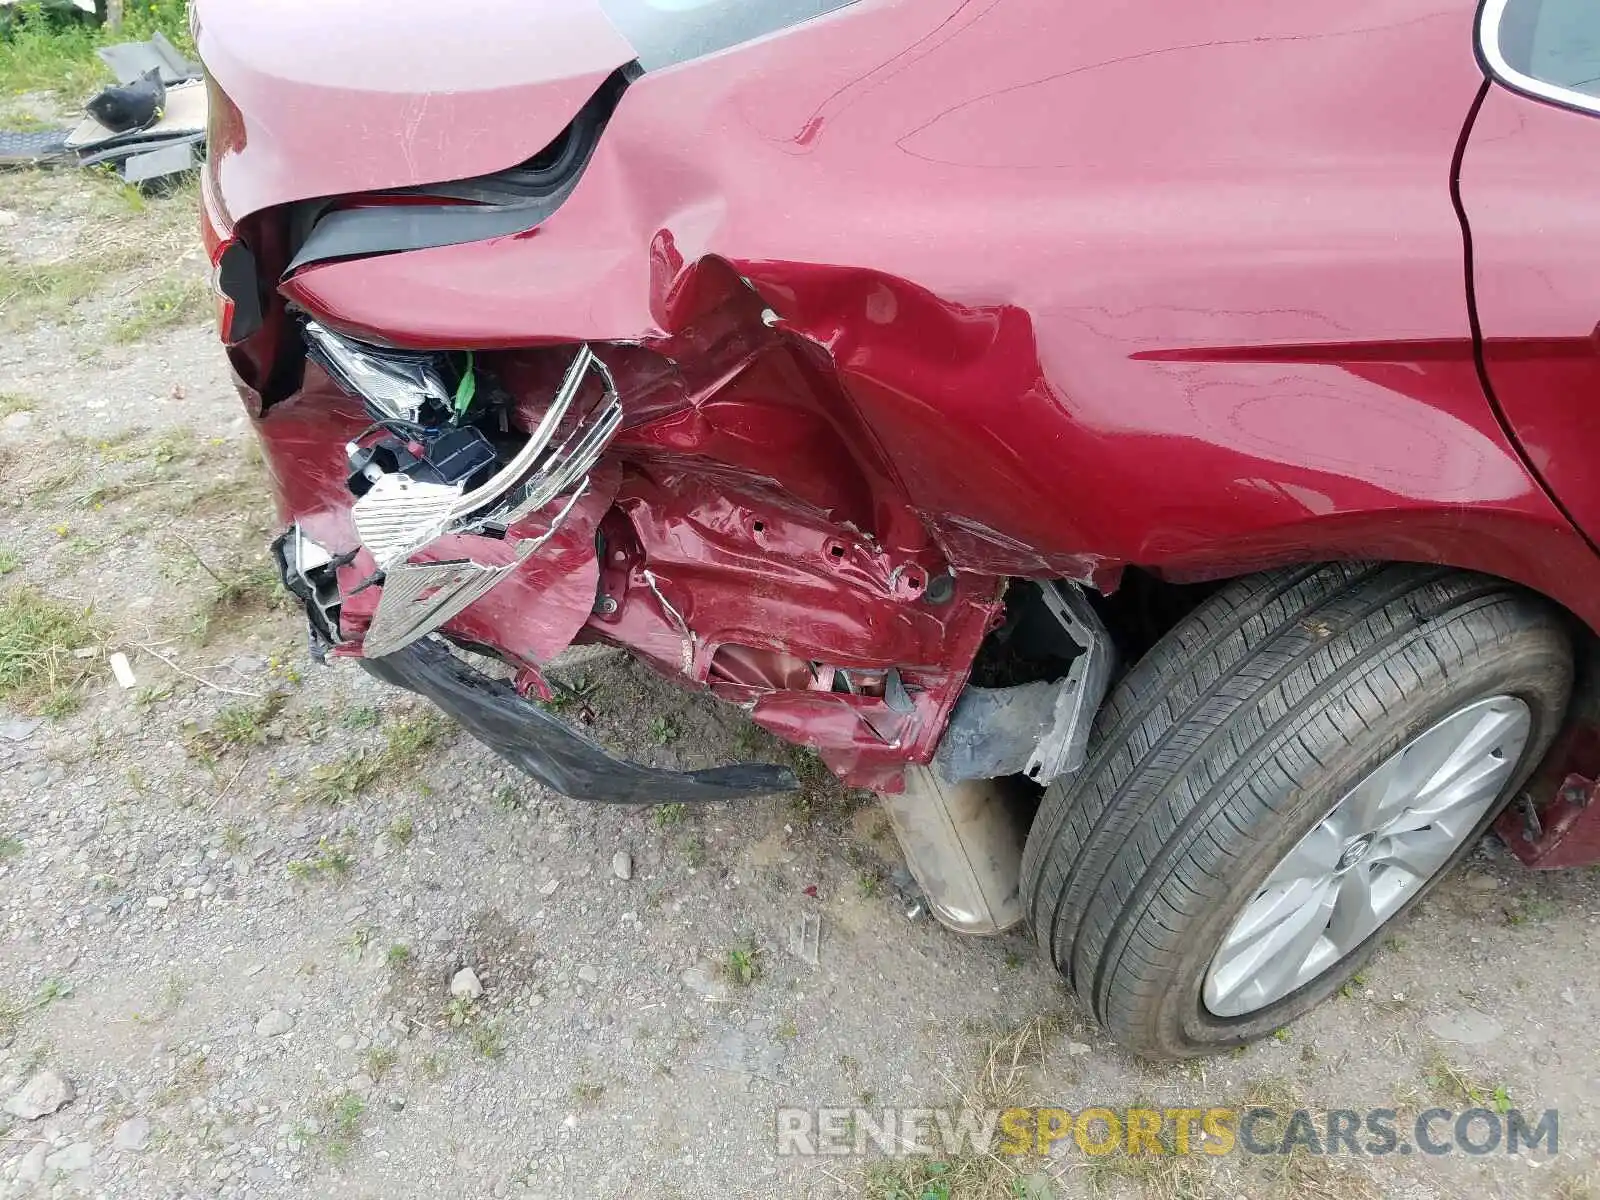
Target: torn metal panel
x=133 y=60
x=551 y=751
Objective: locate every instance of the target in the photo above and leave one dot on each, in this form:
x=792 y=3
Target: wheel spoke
x=1468 y=794
x=1315 y=857
x=1355 y=914
x=1362 y=809
x=1282 y=972
x=1418 y=852
x=1448 y=758
x=1273 y=925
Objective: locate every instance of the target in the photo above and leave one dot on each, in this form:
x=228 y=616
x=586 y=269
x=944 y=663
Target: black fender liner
x=551 y=751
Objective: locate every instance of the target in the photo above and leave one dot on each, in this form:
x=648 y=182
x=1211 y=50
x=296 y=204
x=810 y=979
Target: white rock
x=622 y=865
x=18 y=420
x=346 y=1042
x=157 y=902
x=76 y=1157
x=588 y=974
x=40 y=1096
x=464 y=984
x=549 y=889
x=31 y=1168
x=7 y=217
x=274 y=1023
x=133 y=1134
x=1076 y=1048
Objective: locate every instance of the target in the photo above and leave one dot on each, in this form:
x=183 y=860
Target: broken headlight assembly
x=441 y=459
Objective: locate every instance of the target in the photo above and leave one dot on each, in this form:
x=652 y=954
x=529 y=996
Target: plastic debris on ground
x=168 y=147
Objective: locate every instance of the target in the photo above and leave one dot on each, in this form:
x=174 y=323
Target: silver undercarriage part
x=400 y=517
x=963 y=844
x=1064 y=748
x=1038 y=729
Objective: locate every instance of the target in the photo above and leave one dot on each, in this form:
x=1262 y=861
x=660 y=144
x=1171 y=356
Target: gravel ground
x=281 y=932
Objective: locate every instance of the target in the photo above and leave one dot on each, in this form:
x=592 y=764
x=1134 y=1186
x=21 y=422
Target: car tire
x=1233 y=741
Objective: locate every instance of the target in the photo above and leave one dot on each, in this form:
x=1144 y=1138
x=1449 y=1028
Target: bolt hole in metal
x=1375 y=849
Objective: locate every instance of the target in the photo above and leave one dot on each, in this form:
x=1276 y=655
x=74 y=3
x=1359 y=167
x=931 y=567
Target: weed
x=9 y=561
x=869 y=883
x=667 y=816
x=741 y=966
x=1531 y=910
x=410 y=737
x=363 y=716
x=342 y=780
x=398 y=955
x=245 y=724
x=233 y=839
x=333 y=858
x=460 y=1011
x=11 y=846
x=402 y=830
x=693 y=848
x=38 y=670
x=1501 y=1100
x=1453 y=1085
x=788 y=1030
x=379 y=1060
x=341 y=1126
x=663 y=730
x=11 y=403
x=488 y=1040
x=509 y=798
x=586 y=1093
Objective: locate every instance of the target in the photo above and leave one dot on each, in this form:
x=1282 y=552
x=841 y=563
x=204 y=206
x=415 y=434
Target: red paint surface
x=972 y=285
x=1530 y=181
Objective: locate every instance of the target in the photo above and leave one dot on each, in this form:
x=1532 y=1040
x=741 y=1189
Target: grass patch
x=9 y=561
x=11 y=403
x=341 y=1126
x=333 y=859
x=31 y=292
x=243 y=723
x=406 y=742
x=45 y=51
x=167 y=305
x=488 y=1040
x=38 y=634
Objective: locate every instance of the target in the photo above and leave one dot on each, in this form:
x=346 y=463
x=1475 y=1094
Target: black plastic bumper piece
x=551 y=751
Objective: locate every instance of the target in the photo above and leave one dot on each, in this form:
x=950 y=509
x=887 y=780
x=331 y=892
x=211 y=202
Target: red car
x=1170 y=418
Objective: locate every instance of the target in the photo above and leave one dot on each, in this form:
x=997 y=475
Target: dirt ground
x=235 y=895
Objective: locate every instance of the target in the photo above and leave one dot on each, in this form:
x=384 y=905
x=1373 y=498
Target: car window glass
x=663 y=32
x=1550 y=48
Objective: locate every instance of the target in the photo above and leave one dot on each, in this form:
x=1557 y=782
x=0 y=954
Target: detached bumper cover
x=551 y=751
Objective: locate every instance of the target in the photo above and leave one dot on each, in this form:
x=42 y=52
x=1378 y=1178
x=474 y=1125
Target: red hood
x=316 y=97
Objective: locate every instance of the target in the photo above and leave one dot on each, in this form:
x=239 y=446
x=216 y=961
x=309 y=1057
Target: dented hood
x=314 y=99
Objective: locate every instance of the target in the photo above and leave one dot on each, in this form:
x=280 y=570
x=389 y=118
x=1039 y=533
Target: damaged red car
x=1151 y=445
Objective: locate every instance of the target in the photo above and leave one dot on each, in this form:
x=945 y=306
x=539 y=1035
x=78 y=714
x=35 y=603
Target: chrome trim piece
x=419 y=597
x=398 y=516
x=1494 y=12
